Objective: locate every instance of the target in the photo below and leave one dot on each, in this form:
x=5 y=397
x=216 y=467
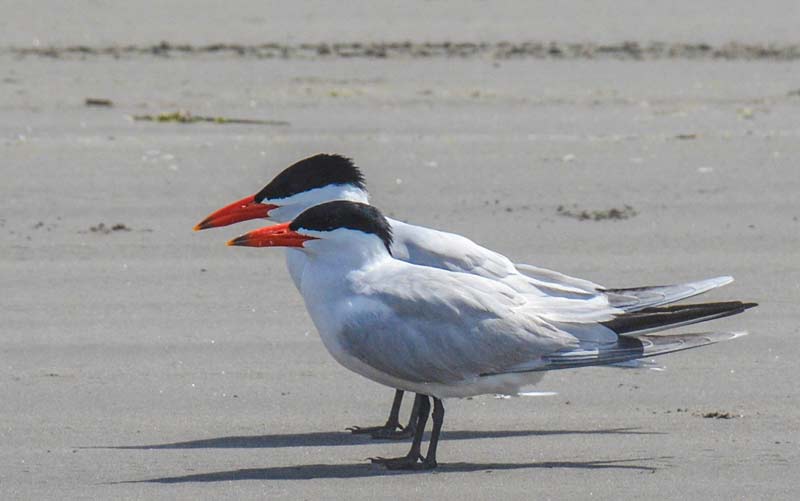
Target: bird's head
x=340 y=226
x=311 y=181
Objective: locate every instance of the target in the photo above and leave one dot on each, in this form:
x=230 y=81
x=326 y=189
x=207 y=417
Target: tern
x=326 y=177
x=445 y=334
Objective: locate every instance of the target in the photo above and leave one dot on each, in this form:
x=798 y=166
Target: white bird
x=324 y=177
x=447 y=334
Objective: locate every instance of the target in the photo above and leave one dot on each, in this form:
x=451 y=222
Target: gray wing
x=449 y=251
x=630 y=298
x=556 y=279
x=428 y=325
x=639 y=298
x=452 y=252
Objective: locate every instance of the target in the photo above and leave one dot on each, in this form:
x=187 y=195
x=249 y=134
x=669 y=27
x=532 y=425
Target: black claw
x=392 y=434
x=392 y=425
x=403 y=463
x=374 y=430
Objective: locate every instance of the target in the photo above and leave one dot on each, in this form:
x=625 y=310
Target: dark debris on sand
x=720 y=415
x=614 y=213
x=628 y=50
x=105 y=230
x=186 y=117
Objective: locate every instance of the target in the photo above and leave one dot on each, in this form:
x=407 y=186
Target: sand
x=152 y=362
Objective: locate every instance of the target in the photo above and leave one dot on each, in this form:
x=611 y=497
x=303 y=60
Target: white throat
x=344 y=249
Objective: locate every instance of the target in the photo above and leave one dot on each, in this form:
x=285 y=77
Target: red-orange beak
x=241 y=210
x=272 y=236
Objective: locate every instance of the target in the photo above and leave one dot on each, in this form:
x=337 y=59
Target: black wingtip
x=664 y=317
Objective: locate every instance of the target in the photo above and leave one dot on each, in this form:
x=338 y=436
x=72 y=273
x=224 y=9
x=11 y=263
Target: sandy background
x=153 y=362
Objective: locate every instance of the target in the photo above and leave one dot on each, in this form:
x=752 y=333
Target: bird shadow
x=360 y=470
x=327 y=438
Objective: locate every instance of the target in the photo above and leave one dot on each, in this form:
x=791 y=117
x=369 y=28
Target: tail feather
x=635 y=347
x=657 y=319
x=639 y=363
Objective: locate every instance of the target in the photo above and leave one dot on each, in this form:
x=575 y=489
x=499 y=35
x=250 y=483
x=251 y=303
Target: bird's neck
x=331 y=263
x=346 y=258
x=291 y=207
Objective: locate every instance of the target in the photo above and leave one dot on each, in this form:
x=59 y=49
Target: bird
x=449 y=334
x=326 y=177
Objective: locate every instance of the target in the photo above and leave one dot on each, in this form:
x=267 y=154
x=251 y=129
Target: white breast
x=296 y=262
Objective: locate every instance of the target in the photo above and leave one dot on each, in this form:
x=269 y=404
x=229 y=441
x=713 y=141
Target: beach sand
x=139 y=359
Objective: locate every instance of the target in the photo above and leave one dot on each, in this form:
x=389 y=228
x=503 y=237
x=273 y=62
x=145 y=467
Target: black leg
x=403 y=432
x=423 y=405
x=411 y=461
x=392 y=430
x=394 y=413
x=392 y=424
x=438 y=419
x=411 y=427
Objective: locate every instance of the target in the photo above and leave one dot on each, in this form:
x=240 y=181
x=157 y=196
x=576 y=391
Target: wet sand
x=149 y=361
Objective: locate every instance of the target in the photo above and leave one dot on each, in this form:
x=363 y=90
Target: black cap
x=345 y=214
x=313 y=172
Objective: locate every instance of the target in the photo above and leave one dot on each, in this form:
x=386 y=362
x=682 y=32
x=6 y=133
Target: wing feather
x=425 y=325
